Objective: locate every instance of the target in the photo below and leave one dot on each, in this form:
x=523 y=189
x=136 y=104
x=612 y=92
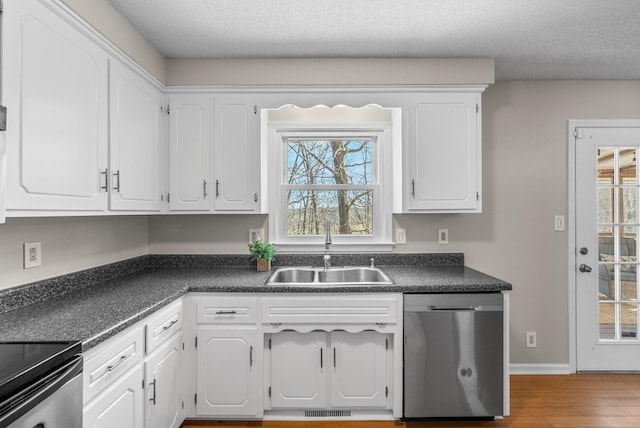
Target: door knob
x=584 y=268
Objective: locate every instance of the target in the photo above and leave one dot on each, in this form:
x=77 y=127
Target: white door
x=164 y=386
x=120 y=405
x=135 y=141
x=358 y=369
x=607 y=196
x=237 y=154
x=190 y=142
x=227 y=368
x=55 y=86
x=299 y=369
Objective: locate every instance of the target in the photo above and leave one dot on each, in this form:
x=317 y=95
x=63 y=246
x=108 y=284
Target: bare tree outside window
x=330 y=179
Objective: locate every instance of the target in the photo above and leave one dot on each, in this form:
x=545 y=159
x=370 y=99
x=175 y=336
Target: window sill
x=355 y=247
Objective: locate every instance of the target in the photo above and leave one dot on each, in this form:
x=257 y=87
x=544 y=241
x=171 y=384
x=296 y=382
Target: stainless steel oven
x=40 y=385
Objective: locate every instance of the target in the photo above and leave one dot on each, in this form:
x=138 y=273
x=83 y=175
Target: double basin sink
x=331 y=277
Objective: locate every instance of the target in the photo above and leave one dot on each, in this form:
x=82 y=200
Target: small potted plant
x=263 y=253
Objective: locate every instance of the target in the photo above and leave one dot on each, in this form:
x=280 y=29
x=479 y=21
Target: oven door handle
x=40 y=390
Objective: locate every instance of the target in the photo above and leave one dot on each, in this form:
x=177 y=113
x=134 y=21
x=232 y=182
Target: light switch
x=558 y=223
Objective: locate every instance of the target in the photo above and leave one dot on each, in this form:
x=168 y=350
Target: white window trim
x=381 y=239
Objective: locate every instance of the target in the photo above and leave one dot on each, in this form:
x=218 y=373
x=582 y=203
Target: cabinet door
x=190 y=141
x=236 y=154
x=228 y=362
x=164 y=395
x=120 y=405
x=443 y=155
x=358 y=369
x=55 y=86
x=135 y=142
x=299 y=368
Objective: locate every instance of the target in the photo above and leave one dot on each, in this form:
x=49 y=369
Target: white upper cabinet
x=236 y=153
x=442 y=159
x=136 y=115
x=191 y=128
x=55 y=88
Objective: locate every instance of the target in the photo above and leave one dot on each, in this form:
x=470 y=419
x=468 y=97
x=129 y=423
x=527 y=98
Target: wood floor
x=578 y=400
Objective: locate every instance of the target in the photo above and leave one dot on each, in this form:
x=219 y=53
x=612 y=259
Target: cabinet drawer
x=105 y=363
x=227 y=310
x=336 y=309
x=162 y=325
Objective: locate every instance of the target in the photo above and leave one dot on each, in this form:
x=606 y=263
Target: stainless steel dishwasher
x=453 y=355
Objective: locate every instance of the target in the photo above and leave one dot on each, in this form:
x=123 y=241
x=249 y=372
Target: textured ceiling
x=529 y=39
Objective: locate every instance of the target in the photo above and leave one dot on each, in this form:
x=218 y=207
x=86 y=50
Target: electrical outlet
x=443 y=236
x=32 y=254
x=531 y=339
x=401 y=236
x=256 y=235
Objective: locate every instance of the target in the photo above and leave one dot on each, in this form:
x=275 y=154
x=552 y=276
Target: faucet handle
x=372 y=260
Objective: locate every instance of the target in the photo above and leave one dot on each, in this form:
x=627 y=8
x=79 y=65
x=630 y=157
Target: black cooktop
x=21 y=363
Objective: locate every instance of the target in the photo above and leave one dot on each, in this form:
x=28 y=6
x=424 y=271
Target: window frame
x=280 y=133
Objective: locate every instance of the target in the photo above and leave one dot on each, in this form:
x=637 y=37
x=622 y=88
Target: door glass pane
x=605 y=205
x=628 y=204
x=607 y=321
x=617 y=243
x=629 y=321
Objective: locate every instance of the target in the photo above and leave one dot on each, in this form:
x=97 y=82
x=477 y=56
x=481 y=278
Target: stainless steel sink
x=292 y=275
x=332 y=277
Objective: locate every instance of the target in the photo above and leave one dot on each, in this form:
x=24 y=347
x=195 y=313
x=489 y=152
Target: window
x=329 y=171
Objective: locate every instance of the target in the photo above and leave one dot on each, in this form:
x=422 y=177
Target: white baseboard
x=539 y=369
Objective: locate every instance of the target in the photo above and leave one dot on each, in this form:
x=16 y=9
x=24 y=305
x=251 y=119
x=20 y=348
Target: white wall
x=69 y=244
x=107 y=20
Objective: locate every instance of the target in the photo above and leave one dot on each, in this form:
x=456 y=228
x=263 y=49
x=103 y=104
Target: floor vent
x=326 y=413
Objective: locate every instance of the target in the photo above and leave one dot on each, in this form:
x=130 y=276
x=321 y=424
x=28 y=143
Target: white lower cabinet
x=228 y=365
x=124 y=387
x=318 y=370
x=165 y=398
x=299 y=370
x=359 y=369
x=119 y=405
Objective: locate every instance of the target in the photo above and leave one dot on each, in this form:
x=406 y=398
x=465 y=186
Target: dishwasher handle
x=431 y=308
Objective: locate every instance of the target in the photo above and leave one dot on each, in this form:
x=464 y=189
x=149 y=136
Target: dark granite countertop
x=94 y=312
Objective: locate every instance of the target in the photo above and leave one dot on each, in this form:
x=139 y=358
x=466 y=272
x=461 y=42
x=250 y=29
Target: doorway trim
x=571 y=216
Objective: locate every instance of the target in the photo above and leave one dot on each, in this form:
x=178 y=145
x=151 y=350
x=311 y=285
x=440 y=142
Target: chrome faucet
x=327 y=243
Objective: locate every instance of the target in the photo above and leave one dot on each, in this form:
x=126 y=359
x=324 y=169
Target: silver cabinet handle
x=255 y=197
x=122 y=359
x=334 y=358
x=171 y=324
x=413 y=187
x=204 y=189
x=320 y=357
x=225 y=312
x=116 y=175
x=251 y=356
x=153 y=397
x=217 y=188
x=105 y=186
